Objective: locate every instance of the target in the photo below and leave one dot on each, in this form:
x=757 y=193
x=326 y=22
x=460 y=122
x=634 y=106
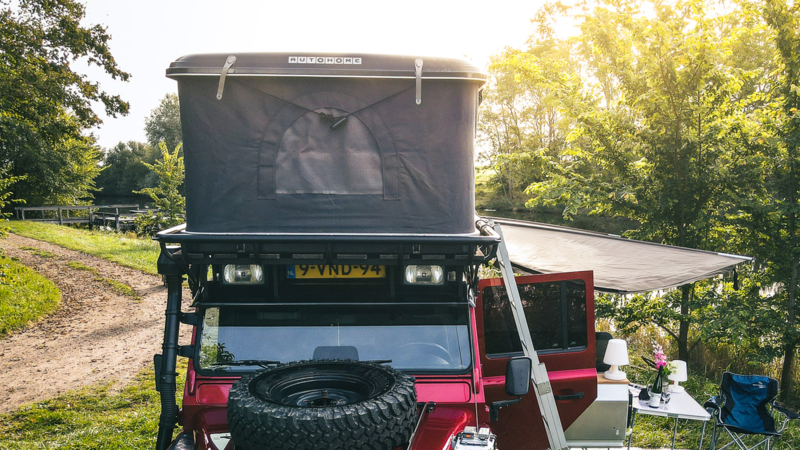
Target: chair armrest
x=785 y=411
x=714 y=402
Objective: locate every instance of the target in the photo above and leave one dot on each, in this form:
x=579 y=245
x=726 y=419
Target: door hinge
x=186 y=351
x=189 y=318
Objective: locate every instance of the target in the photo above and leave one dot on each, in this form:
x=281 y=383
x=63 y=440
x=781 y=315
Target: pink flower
x=658 y=356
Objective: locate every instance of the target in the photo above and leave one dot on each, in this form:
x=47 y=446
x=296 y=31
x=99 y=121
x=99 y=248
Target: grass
x=25 y=296
x=39 y=252
x=656 y=432
x=121 y=288
x=116 y=286
x=80 y=266
x=126 y=250
x=90 y=418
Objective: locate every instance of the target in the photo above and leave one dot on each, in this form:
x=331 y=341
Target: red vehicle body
x=458 y=400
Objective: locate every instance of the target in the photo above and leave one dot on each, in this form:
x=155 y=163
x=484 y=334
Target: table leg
x=633 y=422
x=702 y=435
x=674 y=433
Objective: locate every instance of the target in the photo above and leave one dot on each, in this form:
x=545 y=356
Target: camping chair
x=746 y=406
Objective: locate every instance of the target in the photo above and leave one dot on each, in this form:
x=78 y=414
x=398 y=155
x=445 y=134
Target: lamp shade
x=680 y=373
x=616 y=353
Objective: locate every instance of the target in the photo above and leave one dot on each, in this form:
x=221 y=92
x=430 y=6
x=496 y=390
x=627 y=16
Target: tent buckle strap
x=418 y=75
x=228 y=63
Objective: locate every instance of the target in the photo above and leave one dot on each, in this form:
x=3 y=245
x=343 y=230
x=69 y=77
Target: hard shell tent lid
x=322 y=143
x=355 y=65
x=620 y=265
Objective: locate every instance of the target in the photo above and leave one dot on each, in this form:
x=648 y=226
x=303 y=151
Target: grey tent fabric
x=288 y=143
x=620 y=265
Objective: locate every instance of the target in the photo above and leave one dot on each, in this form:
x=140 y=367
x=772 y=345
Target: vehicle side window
x=556 y=314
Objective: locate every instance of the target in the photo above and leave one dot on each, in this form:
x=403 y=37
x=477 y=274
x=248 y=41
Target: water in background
x=142 y=201
x=553 y=216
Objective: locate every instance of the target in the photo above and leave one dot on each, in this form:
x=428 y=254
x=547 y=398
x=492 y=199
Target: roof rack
x=326 y=248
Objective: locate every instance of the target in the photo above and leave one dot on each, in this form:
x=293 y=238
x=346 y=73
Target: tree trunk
x=787 y=372
x=683 y=330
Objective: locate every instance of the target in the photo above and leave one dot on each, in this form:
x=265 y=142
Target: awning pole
x=541 y=382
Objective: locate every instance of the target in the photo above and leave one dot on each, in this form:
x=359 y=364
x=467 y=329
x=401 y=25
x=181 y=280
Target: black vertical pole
x=166 y=378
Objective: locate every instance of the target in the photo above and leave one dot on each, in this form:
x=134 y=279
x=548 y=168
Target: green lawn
x=90 y=418
x=25 y=295
x=656 y=432
x=126 y=250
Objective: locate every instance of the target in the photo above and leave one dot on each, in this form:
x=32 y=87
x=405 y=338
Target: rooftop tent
x=620 y=265
x=288 y=143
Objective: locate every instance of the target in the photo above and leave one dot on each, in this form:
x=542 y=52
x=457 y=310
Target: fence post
x=23 y=213
x=91 y=218
x=116 y=221
x=60 y=217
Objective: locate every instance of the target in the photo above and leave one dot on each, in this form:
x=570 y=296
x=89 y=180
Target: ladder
x=541 y=382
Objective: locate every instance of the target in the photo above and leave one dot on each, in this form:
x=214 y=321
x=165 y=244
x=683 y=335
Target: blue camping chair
x=746 y=406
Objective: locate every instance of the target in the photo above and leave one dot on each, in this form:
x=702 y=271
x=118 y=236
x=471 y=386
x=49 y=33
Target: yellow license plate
x=312 y=271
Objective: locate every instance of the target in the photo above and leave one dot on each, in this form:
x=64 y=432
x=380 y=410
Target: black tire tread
x=381 y=423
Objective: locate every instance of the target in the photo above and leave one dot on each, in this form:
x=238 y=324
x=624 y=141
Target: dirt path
x=96 y=334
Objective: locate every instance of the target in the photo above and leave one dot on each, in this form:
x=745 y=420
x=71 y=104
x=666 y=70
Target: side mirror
x=518 y=376
x=518 y=383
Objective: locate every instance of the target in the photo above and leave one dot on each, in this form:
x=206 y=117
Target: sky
x=146 y=35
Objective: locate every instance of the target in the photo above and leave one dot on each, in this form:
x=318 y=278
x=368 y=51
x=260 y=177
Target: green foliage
x=124 y=169
x=5 y=184
x=94 y=417
x=662 y=132
x=129 y=251
x=777 y=207
x=666 y=144
x=682 y=118
x=166 y=196
x=46 y=105
x=164 y=123
x=523 y=125
x=25 y=296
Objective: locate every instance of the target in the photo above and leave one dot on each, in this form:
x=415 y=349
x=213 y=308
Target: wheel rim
x=321 y=385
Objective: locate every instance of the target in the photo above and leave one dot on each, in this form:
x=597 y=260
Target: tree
x=164 y=123
x=46 y=106
x=166 y=196
x=778 y=211
x=124 y=170
x=668 y=143
x=522 y=125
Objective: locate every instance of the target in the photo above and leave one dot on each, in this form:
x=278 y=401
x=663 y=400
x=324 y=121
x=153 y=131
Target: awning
x=620 y=265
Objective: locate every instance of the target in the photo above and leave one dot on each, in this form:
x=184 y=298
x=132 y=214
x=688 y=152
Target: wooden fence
x=95 y=214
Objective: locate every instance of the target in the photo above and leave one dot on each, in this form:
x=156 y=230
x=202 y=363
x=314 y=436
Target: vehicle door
x=559 y=309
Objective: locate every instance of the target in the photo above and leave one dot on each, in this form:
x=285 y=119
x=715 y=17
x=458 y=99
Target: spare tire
x=328 y=404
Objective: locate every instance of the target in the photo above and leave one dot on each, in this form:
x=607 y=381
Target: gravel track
x=96 y=335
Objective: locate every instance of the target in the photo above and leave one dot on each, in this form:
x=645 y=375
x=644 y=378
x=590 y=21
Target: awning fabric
x=620 y=265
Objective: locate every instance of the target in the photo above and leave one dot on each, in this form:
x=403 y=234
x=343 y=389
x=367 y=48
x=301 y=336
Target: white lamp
x=616 y=355
x=678 y=374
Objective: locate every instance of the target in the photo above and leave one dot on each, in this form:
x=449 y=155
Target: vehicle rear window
x=555 y=311
x=414 y=338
